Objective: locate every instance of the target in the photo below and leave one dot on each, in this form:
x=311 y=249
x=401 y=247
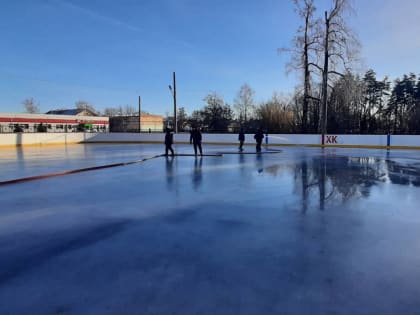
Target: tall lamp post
x=173 y=91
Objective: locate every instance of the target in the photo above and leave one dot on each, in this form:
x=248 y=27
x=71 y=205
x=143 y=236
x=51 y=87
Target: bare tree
x=275 y=115
x=196 y=118
x=244 y=103
x=30 y=106
x=305 y=53
x=126 y=110
x=85 y=106
x=111 y=111
x=345 y=104
x=323 y=49
x=216 y=114
x=130 y=110
x=340 y=47
x=182 y=119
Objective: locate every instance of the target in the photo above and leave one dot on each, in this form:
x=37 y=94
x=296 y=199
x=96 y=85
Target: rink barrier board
x=275 y=140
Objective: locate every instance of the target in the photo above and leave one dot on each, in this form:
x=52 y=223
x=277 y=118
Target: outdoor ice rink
x=301 y=231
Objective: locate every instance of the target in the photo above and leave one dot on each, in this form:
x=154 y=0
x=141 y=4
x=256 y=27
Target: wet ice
x=308 y=230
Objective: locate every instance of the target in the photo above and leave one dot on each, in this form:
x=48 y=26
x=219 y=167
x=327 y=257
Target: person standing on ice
x=241 y=138
x=169 y=140
x=195 y=139
x=259 y=136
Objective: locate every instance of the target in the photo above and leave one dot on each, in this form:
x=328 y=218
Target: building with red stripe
x=10 y=122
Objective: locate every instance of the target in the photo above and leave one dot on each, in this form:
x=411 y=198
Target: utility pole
x=325 y=80
x=175 y=121
x=139 y=114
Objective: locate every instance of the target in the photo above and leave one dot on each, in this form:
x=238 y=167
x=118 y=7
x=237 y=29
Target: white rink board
x=413 y=141
x=10 y=139
x=17 y=139
x=356 y=140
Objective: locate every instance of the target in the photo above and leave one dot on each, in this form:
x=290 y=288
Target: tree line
x=366 y=105
x=275 y=114
x=355 y=105
x=32 y=106
x=332 y=96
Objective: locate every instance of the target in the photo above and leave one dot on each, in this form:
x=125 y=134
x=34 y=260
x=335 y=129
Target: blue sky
x=108 y=52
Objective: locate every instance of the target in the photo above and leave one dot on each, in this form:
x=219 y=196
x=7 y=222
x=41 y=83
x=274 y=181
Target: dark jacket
x=195 y=136
x=169 y=138
x=259 y=136
x=241 y=136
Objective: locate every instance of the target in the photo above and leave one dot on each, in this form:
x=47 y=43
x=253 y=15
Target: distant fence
x=316 y=140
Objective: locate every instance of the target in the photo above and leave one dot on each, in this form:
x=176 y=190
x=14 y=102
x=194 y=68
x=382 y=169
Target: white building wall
x=54 y=123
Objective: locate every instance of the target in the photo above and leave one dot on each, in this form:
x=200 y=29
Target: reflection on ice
x=211 y=235
x=404 y=174
x=197 y=175
x=342 y=178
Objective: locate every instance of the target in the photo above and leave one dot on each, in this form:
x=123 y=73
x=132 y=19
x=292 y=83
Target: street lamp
x=173 y=92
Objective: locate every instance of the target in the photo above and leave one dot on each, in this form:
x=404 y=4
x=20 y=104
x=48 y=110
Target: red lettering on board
x=331 y=139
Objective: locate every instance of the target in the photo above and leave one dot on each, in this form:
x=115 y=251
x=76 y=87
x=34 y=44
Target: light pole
x=173 y=91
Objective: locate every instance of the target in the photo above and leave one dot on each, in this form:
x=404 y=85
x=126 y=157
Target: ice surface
x=306 y=231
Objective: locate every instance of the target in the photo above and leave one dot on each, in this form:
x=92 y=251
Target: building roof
x=73 y=111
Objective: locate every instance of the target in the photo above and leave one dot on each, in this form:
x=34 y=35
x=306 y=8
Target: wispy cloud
x=118 y=23
x=110 y=20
